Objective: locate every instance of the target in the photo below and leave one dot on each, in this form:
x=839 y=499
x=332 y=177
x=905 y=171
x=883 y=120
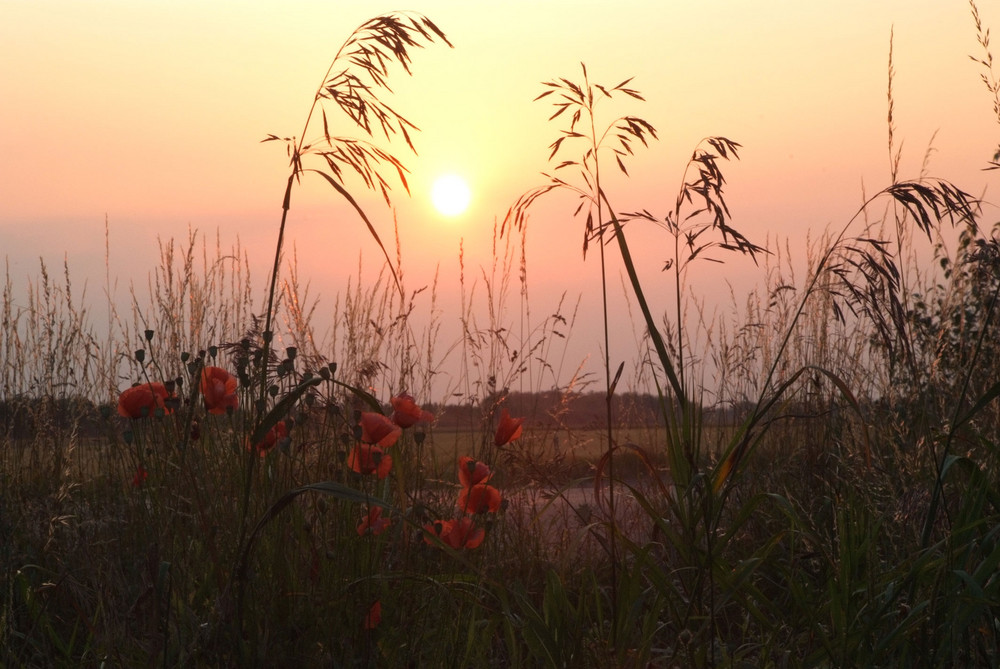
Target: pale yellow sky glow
x=150 y=114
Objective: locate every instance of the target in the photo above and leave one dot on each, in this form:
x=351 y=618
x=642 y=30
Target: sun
x=451 y=194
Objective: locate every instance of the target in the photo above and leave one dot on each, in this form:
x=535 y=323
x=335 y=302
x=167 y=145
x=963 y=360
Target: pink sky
x=150 y=114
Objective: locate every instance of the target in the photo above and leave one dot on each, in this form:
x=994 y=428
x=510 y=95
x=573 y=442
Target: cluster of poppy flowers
x=476 y=496
x=218 y=388
x=378 y=433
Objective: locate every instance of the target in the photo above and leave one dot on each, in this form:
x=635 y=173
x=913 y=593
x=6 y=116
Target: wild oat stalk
x=357 y=76
x=699 y=223
x=866 y=283
x=988 y=74
x=353 y=83
x=618 y=137
x=861 y=275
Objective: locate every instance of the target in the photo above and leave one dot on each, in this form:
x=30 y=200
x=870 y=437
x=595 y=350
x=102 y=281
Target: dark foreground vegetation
x=832 y=500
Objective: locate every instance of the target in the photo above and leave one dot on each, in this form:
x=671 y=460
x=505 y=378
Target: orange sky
x=151 y=114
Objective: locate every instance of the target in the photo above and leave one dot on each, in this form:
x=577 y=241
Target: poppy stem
x=269 y=317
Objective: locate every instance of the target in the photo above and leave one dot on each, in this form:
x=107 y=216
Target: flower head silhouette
x=458 y=534
x=406 y=413
x=369 y=459
x=508 y=429
x=378 y=430
x=142 y=400
x=373 y=522
x=472 y=471
x=273 y=437
x=218 y=387
x=480 y=498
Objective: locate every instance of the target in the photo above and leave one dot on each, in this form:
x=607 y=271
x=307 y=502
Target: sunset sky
x=150 y=114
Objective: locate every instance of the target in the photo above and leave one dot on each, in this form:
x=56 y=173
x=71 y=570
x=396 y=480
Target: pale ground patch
x=574 y=519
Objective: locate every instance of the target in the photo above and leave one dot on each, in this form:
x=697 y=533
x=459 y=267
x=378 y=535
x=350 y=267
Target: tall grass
x=856 y=290
x=830 y=501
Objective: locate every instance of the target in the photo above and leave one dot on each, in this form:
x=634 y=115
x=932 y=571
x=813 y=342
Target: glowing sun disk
x=451 y=195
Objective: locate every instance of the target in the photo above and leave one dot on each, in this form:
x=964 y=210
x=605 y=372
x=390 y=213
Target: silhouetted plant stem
x=268 y=319
x=609 y=432
x=582 y=99
x=654 y=333
x=267 y=336
x=609 y=410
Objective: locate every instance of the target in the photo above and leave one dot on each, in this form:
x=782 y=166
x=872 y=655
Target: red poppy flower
x=435 y=529
x=218 y=387
x=378 y=430
x=143 y=400
x=508 y=429
x=373 y=521
x=140 y=477
x=271 y=439
x=479 y=498
x=368 y=459
x=472 y=471
x=461 y=533
x=406 y=413
x=374 y=616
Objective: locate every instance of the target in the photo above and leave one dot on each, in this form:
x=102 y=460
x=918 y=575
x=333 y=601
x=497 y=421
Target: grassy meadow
x=204 y=479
